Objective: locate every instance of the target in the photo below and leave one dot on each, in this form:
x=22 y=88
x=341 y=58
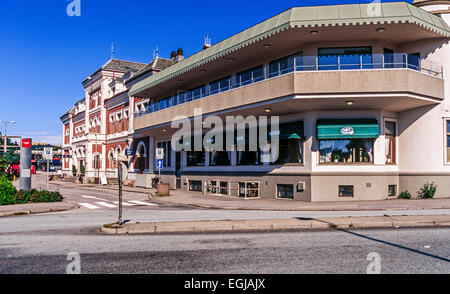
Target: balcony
x=313 y=75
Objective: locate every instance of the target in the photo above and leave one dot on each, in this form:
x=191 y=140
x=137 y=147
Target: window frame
x=347 y=163
x=339 y=191
x=446 y=141
x=391 y=120
x=278 y=191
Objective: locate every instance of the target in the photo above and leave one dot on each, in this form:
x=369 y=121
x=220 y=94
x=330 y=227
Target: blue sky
x=45 y=54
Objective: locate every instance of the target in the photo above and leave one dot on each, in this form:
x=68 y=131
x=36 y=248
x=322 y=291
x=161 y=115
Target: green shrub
x=427 y=191
x=7 y=191
x=74 y=170
x=23 y=197
x=404 y=195
x=82 y=170
x=45 y=196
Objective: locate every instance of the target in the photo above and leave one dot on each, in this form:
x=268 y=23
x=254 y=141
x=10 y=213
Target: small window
x=224 y=188
x=285 y=191
x=346 y=191
x=392 y=190
x=448 y=140
x=195 y=186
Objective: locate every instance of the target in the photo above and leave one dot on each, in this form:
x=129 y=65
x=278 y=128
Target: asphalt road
x=401 y=251
x=41 y=243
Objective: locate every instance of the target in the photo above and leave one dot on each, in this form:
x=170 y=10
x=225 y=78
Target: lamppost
x=6 y=135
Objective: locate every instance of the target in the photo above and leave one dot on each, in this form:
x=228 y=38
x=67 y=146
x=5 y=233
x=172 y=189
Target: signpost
x=159 y=161
x=48 y=155
x=122 y=174
x=25 y=165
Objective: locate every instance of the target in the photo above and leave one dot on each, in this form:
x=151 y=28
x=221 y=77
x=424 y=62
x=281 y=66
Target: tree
x=12 y=157
x=4 y=166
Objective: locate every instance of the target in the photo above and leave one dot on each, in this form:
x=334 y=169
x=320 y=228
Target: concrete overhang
x=394 y=90
x=291 y=30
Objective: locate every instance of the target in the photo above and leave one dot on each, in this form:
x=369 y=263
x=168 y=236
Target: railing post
x=339 y=62
x=360 y=62
x=317 y=63
x=383 y=62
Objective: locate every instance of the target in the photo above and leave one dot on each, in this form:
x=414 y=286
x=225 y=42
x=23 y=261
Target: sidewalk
x=272 y=225
x=232 y=203
x=33 y=208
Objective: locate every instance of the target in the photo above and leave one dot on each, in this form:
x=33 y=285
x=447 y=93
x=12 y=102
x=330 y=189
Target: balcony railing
x=307 y=64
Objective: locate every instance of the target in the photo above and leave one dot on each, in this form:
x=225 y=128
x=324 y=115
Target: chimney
x=207 y=42
x=173 y=55
x=179 y=55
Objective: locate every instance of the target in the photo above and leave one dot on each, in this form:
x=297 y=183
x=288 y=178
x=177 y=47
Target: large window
x=345 y=58
x=220 y=85
x=167 y=152
x=220 y=158
x=390 y=132
x=247 y=156
x=291 y=151
x=290 y=143
x=284 y=65
x=250 y=76
x=346 y=151
x=195 y=158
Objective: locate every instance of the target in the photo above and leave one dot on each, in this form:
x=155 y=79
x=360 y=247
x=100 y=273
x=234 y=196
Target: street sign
x=123 y=171
x=26 y=143
x=130 y=152
x=48 y=153
x=103 y=180
x=160 y=163
x=159 y=153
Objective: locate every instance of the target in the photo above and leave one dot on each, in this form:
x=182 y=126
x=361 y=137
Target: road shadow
x=376 y=240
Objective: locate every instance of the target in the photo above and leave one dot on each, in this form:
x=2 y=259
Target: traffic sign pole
x=48 y=168
x=119 y=176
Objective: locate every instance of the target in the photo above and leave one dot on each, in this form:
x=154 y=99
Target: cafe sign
x=348 y=131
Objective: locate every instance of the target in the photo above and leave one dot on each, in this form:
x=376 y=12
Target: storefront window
x=167 y=152
x=356 y=150
x=195 y=158
x=220 y=158
x=291 y=151
x=390 y=132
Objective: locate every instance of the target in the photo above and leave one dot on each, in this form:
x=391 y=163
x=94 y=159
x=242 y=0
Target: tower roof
x=420 y=3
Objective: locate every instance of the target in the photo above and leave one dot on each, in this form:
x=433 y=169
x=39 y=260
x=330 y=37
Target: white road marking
x=125 y=203
x=89 y=206
x=142 y=203
x=92 y=197
x=106 y=204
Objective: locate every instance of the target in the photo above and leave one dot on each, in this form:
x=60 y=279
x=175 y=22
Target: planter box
x=163 y=189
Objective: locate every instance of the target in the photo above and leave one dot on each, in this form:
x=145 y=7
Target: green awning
x=290 y=131
x=347 y=128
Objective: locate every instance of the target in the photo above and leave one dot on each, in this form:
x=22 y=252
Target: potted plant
x=74 y=170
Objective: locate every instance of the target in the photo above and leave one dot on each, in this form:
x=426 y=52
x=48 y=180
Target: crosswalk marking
x=106 y=204
x=125 y=203
x=142 y=203
x=89 y=206
x=92 y=197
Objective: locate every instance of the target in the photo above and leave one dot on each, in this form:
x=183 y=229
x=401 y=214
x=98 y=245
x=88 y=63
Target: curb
x=205 y=206
x=274 y=225
x=38 y=211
